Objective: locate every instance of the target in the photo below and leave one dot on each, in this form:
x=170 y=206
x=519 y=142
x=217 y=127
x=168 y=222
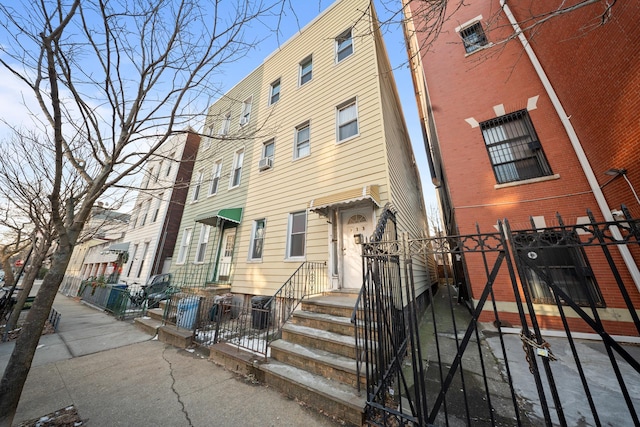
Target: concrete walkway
x=116 y=375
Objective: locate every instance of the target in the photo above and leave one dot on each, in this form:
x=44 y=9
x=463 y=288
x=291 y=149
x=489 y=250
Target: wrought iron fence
x=250 y=323
x=202 y=275
x=493 y=363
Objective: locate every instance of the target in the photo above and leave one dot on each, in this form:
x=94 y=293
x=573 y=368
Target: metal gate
x=545 y=339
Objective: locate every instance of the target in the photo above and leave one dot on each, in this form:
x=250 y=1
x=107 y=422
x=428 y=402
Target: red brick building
x=524 y=125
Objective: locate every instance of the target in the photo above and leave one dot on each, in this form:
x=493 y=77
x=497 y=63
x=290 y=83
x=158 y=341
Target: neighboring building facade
x=527 y=128
x=153 y=228
x=303 y=154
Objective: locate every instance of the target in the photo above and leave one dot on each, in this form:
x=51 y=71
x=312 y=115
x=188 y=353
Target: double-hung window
x=268 y=149
x=473 y=37
x=274 y=96
x=197 y=186
x=145 y=213
x=257 y=239
x=184 y=245
x=133 y=258
x=296 y=235
x=156 y=211
x=306 y=70
x=157 y=175
x=215 y=178
x=344 y=45
x=205 y=230
x=145 y=249
x=236 y=173
x=225 y=125
x=171 y=157
x=347 y=118
x=514 y=149
x=302 y=143
x=246 y=112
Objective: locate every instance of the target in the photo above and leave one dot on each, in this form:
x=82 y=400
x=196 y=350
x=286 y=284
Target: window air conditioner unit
x=244 y=121
x=265 y=163
x=222 y=132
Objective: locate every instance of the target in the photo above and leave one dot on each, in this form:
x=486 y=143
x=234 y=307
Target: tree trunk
x=9 y=278
x=19 y=365
x=27 y=284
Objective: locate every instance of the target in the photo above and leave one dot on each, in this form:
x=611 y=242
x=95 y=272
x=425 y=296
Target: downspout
x=575 y=142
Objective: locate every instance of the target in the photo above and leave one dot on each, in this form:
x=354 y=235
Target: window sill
x=480 y=49
x=527 y=181
x=254 y=261
x=342 y=141
x=298 y=259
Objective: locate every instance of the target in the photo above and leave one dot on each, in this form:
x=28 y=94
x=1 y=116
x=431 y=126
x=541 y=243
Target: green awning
x=227 y=214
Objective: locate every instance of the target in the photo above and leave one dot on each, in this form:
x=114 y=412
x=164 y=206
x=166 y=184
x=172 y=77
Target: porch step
x=156 y=313
x=343 y=345
x=317 y=361
x=148 y=325
x=329 y=396
x=335 y=304
x=337 y=324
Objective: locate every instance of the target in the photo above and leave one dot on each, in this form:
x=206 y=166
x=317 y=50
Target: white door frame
x=347 y=249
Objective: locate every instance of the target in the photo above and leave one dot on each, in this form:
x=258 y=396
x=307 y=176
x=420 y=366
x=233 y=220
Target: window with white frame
x=268 y=150
x=145 y=248
x=156 y=211
x=157 y=175
x=236 y=173
x=306 y=70
x=208 y=131
x=197 y=186
x=215 y=178
x=205 y=230
x=145 y=212
x=514 y=149
x=296 y=235
x=147 y=177
x=246 y=112
x=171 y=157
x=344 y=45
x=184 y=245
x=257 y=239
x=302 y=142
x=274 y=95
x=136 y=217
x=347 y=119
x=133 y=258
x=473 y=37
x=225 y=125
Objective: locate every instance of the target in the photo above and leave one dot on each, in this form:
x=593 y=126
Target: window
x=154 y=218
x=246 y=112
x=347 y=120
x=151 y=175
x=257 y=239
x=225 y=125
x=473 y=37
x=171 y=157
x=184 y=245
x=564 y=266
x=344 y=45
x=157 y=175
x=138 y=213
x=236 y=174
x=133 y=258
x=215 y=177
x=268 y=149
x=206 y=142
x=274 y=96
x=513 y=147
x=205 y=230
x=196 y=187
x=145 y=180
x=296 y=234
x=145 y=248
x=145 y=213
x=302 y=146
x=306 y=70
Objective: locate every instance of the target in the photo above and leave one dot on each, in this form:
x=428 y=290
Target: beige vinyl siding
x=223 y=148
x=331 y=167
x=404 y=179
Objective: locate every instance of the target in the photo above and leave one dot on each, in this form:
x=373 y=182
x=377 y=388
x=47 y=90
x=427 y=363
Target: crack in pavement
x=173 y=388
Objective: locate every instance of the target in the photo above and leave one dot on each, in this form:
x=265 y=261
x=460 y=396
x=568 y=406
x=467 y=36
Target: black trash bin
x=259 y=311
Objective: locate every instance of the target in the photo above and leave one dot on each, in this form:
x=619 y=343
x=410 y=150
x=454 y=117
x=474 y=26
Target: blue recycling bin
x=187 y=312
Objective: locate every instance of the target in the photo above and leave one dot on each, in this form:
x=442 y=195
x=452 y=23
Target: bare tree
x=16 y=240
x=113 y=81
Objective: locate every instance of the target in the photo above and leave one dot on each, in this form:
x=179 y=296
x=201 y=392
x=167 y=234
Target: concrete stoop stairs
x=315 y=360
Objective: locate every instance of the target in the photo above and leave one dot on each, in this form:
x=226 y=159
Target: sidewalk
x=116 y=375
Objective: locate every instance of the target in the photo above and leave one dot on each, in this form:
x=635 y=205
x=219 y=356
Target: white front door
x=353 y=223
x=226 y=253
